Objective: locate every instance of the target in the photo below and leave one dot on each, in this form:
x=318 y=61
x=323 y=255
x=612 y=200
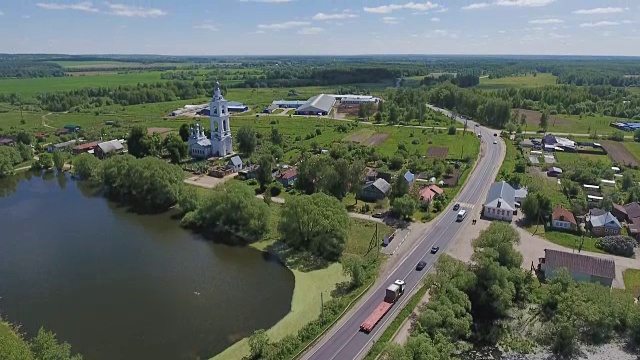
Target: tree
x=59 y=158
x=536 y=206
x=258 y=343
x=544 y=121
x=184 y=132
x=636 y=135
x=627 y=181
x=26 y=153
x=452 y=130
x=233 y=208
x=264 y=174
x=393 y=114
x=403 y=207
x=400 y=186
x=355 y=177
x=188 y=200
x=136 y=142
x=24 y=138
x=45 y=161
x=378 y=117
x=276 y=137
x=45 y=346
x=176 y=148
x=317 y=223
x=247 y=140
x=354 y=268
x=87 y=167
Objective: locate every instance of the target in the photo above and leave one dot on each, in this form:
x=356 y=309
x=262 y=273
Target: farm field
x=620 y=153
x=633 y=148
x=570 y=123
x=32 y=87
x=516 y=82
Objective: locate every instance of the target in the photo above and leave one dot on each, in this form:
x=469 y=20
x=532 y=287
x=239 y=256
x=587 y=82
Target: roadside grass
x=305 y=304
x=541 y=79
x=632 y=281
x=568 y=240
x=575 y=124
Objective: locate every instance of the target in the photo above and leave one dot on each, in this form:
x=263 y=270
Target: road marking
x=468 y=195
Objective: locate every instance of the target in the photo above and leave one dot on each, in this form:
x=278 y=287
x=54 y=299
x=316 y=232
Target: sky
x=327 y=27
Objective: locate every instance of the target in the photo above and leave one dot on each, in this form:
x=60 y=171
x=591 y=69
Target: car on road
x=435 y=249
x=495 y=134
x=421 y=265
x=495 y=142
x=456 y=207
x=378 y=215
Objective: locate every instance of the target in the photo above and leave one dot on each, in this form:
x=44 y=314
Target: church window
x=215 y=126
x=214 y=110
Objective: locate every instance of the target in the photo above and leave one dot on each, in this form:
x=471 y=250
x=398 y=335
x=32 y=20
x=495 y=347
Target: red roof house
x=430 y=192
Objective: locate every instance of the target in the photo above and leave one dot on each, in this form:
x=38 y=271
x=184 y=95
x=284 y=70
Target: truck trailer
x=393 y=293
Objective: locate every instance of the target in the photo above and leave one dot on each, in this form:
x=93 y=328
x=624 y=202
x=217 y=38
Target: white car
x=495 y=142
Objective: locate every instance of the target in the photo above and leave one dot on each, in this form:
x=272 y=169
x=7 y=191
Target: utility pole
x=322 y=307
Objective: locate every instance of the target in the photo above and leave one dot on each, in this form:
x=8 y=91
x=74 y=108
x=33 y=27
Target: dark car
x=378 y=215
x=434 y=249
x=495 y=134
x=456 y=207
x=421 y=265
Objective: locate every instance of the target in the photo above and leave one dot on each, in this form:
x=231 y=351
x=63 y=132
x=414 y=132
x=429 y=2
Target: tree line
x=44 y=346
x=23 y=69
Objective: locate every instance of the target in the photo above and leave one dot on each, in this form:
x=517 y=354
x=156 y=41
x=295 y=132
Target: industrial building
x=355 y=99
x=288 y=104
x=626 y=126
x=317 y=105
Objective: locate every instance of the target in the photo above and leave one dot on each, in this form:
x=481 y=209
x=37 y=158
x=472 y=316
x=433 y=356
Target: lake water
x=122 y=286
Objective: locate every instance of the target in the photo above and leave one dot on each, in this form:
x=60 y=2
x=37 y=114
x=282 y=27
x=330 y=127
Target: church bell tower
x=221 y=142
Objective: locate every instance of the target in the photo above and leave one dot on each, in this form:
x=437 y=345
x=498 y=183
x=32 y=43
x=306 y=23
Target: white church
x=219 y=143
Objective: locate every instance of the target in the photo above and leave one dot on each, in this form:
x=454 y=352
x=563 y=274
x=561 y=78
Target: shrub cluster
x=617 y=245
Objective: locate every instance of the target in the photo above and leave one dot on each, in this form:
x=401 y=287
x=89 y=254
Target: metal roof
x=409 y=176
x=109 y=146
x=318 y=103
x=236 y=161
x=606 y=219
x=578 y=263
x=501 y=194
x=382 y=185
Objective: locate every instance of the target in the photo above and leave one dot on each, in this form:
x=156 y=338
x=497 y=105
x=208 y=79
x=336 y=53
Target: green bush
x=275 y=188
x=617 y=245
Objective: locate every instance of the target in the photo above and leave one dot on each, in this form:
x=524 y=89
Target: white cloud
x=502 y=32
x=390 y=20
x=518 y=3
x=607 y=10
x=546 y=21
x=209 y=27
x=134 y=11
x=338 y=16
x=440 y=32
x=628 y=21
x=385 y=9
x=82 y=6
x=311 y=31
x=284 y=25
x=435 y=19
x=268 y=1
x=600 y=23
x=475 y=6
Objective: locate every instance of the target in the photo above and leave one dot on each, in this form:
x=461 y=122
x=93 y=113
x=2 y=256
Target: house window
x=606 y=230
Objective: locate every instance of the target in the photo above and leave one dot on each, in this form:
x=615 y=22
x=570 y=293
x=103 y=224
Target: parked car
x=378 y=215
x=421 y=265
x=456 y=207
x=495 y=134
x=494 y=142
x=435 y=249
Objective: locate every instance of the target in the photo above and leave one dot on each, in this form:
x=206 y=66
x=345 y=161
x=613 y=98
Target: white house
x=500 y=204
x=219 y=143
x=235 y=163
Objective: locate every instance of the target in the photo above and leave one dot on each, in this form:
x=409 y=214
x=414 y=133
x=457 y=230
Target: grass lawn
x=633 y=148
x=459 y=145
x=308 y=285
x=583 y=125
x=632 y=281
x=568 y=240
x=517 y=82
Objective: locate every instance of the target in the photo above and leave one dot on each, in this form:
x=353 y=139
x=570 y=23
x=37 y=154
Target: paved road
x=344 y=341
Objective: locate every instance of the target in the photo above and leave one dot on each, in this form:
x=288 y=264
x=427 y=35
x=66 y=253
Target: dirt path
x=44 y=121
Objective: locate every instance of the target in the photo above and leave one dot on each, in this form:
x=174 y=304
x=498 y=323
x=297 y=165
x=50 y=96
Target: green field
x=31 y=87
x=632 y=281
x=633 y=148
x=516 y=82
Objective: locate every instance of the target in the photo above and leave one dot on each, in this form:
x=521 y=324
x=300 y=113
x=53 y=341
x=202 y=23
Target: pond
x=117 y=285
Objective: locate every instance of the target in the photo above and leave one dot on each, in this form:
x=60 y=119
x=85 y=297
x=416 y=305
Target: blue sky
x=329 y=27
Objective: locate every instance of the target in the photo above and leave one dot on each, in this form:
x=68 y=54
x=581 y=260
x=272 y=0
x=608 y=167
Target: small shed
x=235 y=164
x=288 y=176
x=107 y=148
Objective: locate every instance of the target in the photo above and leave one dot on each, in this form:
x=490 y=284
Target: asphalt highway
x=344 y=341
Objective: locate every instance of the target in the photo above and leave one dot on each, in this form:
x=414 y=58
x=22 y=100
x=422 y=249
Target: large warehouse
x=317 y=105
